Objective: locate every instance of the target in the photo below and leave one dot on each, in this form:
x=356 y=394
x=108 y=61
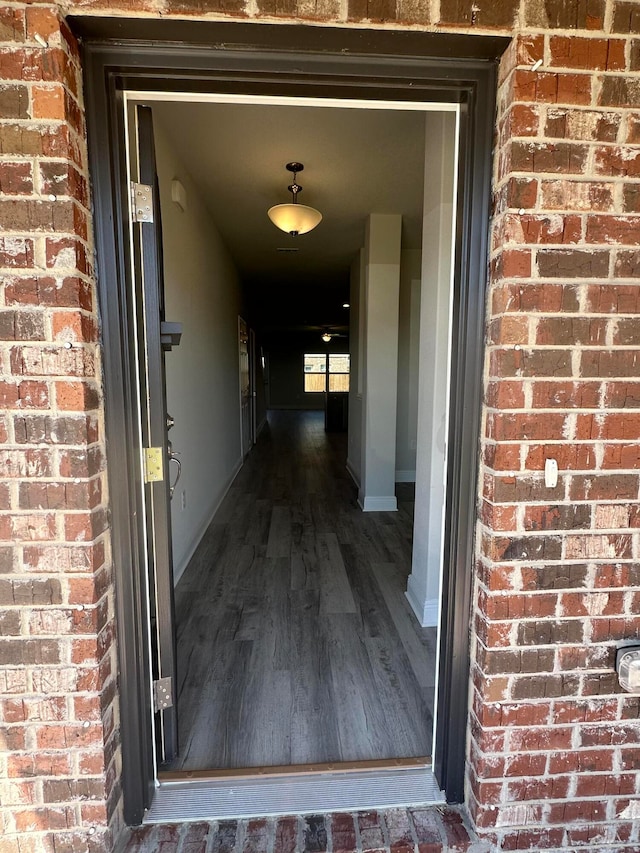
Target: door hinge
x=163 y=694
x=153 y=465
x=141 y=202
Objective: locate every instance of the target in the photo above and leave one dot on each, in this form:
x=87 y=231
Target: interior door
x=253 y=371
x=245 y=387
x=154 y=335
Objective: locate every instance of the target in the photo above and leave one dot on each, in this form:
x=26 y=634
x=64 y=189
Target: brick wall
x=554 y=749
x=57 y=674
x=553 y=744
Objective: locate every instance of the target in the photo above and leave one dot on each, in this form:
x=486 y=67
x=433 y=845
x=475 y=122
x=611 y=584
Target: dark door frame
x=264 y=59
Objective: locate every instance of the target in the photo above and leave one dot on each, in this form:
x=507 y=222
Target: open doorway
x=324 y=63
x=296 y=645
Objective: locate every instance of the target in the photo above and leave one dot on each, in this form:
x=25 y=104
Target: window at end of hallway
x=324 y=372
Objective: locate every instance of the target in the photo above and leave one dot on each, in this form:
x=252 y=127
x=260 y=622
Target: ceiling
x=357 y=161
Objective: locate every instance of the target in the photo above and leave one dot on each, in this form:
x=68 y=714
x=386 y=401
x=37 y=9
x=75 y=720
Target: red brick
x=587 y=53
x=427 y=827
x=464 y=13
x=576 y=195
x=534 y=297
x=550 y=788
x=525 y=765
x=522 y=120
x=343 y=834
x=16 y=178
x=16 y=252
x=548 y=228
x=556 y=157
x=371 y=836
x=626 y=17
x=605 y=784
x=618 y=161
x=573 y=263
x=68 y=292
x=256 y=837
x=633 y=129
x=547 y=87
x=73 y=326
x=623 y=230
x=532 y=839
x=581 y=761
x=522 y=192
x=12 y=24
x=587 y=125
x=619 y=92
x=614 y=298
x=505 y=394
x=399 y=830
x=286 y=836
x=610 y=363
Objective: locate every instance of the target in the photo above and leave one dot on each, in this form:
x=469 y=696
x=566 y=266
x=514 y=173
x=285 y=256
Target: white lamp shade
x=294 y=218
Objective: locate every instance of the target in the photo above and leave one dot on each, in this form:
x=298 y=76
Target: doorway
x=265 y=561
x=470 y=249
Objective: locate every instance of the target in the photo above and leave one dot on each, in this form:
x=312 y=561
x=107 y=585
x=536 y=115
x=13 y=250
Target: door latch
x=163 y=694
x=153 y=465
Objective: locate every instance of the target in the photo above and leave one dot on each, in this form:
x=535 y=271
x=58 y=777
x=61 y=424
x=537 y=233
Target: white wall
x=423 y=589
x=380 y=400
x=356 y=348
x=202 y=291
x=408 y=365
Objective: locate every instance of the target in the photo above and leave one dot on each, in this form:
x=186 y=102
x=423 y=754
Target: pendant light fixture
x=294 y=218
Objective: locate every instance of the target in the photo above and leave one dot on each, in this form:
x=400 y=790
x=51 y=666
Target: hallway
x=296 y=644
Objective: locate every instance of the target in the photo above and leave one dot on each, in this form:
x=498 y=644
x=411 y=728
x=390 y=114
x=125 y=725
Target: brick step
x=437 y=829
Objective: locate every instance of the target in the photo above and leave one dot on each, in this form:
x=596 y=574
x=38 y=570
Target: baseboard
x=177 y=574
x=383 y=503
x=405 y=476
x=353 y=473
x=427 y=612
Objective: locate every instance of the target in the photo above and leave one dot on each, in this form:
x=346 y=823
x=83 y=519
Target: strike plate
x=153 y=468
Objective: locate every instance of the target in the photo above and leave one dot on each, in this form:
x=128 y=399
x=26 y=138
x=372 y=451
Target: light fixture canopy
x=294 y=218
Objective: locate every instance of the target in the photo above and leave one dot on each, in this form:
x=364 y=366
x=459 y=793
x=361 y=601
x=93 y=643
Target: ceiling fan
x=328 y=334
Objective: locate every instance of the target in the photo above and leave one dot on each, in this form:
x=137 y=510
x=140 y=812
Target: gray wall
x=203 y=293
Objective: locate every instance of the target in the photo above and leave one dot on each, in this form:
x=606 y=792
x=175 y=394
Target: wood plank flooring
x=296 y=644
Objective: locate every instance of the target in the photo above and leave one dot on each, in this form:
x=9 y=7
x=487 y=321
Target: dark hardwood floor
x=295 y=641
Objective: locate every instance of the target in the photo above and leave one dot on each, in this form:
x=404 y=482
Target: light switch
x=551 y=473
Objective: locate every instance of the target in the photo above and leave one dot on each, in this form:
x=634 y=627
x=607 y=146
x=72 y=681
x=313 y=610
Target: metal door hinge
x=163 y=694
x=142 y=202
x=153 y=465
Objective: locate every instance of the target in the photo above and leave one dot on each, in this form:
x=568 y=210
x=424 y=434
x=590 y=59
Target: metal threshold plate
x=216 y=799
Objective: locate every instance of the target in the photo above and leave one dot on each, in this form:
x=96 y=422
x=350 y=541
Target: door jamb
x=121 y=54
